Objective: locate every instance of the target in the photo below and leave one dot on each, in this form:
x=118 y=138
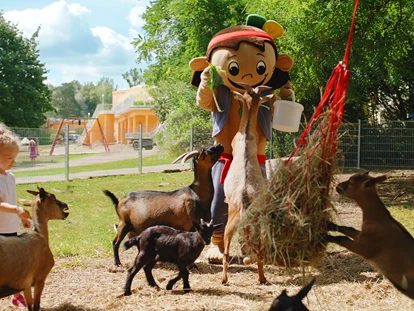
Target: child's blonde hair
x=8 y=139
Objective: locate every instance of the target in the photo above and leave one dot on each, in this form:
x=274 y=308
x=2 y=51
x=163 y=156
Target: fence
x=389 y=145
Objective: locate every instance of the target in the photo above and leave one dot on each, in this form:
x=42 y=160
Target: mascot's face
x=248 y=64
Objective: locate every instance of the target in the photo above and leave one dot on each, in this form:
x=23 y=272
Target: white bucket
x=287 y=114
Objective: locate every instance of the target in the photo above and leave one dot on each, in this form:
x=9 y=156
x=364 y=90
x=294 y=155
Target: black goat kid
x=285 y=303
x=166 y=244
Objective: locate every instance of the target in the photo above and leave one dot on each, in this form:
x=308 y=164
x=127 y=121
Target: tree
x=64 y=100
x=25 y=98
x=133 y=77
x=381 y=62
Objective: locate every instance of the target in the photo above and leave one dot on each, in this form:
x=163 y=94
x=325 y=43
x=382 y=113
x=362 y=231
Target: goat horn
x=262 y=88
x=179 y=158
x=247 y=87
x=186 y=156
x=189 y=155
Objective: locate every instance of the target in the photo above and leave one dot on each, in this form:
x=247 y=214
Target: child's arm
x=20 y=211
x=15 y=209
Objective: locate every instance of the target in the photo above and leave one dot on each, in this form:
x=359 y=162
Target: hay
x=285 y=226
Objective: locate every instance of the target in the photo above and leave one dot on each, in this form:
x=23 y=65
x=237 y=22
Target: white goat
x=26 y=259
x=244 y=181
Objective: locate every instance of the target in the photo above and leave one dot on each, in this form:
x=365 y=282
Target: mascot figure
x=248 y=54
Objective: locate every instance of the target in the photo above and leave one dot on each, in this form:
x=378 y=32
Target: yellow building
x=120 y=121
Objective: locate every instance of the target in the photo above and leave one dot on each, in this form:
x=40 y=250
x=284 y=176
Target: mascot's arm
x=204 y=94
x=286 y=90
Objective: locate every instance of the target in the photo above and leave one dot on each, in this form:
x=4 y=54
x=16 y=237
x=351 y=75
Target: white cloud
x=71 y=48
x=135 y=16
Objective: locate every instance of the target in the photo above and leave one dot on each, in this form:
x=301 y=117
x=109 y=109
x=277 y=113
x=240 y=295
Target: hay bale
x=285 y=226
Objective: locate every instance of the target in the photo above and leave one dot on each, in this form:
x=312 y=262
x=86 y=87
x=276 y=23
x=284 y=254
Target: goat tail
x=131 y=242
x=112 y=197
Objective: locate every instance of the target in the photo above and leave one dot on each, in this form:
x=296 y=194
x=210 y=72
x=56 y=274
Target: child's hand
x=23 y=213
x=26 y=223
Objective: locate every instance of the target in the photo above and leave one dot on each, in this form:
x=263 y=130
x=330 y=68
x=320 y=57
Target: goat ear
x=197 y=225
x=42 y=194
x=381 y=178
x=370 y=182
x=217 y=226
x=266 y=98
x=33 y=192
x=305 y=290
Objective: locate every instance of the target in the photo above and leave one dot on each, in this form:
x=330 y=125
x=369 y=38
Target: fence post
x=359 y=144
x=271 y=144
x=192 y=138
x=67 y=152
x=140 y=150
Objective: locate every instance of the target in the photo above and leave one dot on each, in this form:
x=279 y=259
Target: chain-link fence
x=388 y=145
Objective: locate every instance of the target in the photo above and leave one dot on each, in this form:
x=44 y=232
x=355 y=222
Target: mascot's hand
x=205 y=75
x=286 y=91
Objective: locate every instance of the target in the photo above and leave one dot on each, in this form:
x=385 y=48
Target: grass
x=88 y=231
x=128 y=163
x=83 y=279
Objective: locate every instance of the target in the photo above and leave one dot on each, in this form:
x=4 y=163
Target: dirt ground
x=343 y=281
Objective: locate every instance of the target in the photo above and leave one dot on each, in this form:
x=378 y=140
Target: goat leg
x=353 y=246
x=148 y=273
x=260 y=271
x=234 y=217
x=186 y=284
x=37 y=293
x=172 y=282
x=120 y=235
x=130 y=276
x=348 y=231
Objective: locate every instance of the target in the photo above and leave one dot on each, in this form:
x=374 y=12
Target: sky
x=81 y=40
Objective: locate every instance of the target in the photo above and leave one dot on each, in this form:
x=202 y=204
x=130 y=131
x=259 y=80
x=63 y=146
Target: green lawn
x=88 y=231
x=128 y=163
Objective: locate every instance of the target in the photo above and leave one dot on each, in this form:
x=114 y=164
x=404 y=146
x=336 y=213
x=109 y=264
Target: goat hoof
x=187 y=290
x=330 y=226
x=127 y=293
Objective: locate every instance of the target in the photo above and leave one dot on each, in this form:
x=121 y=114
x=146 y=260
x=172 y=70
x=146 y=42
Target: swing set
x=79 y=120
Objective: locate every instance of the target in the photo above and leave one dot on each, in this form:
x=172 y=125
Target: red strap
x=228 y=158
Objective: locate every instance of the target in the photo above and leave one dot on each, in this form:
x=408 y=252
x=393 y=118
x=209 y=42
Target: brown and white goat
x=244 y=181
x=26 y=259
x=142 y=209
x=166 y=244
x=382 y=241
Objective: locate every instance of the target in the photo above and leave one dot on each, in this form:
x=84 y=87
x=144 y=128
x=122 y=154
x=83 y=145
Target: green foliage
x=24 y=97
x=133 y=77
x=178 y=113
x=316 y=33
x=75 y=100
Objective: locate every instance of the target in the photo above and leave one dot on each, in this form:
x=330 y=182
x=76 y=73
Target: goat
x=141 y=209
x=382 y=241
x=26 y=259
x=163 y=243
x=244 y=180
x=285 y=303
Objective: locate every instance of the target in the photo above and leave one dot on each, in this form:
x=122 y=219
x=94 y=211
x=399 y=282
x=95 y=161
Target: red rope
x=335 y=92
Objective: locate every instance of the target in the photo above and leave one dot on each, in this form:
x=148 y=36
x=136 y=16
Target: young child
x=33 y=151
x=10 y=213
